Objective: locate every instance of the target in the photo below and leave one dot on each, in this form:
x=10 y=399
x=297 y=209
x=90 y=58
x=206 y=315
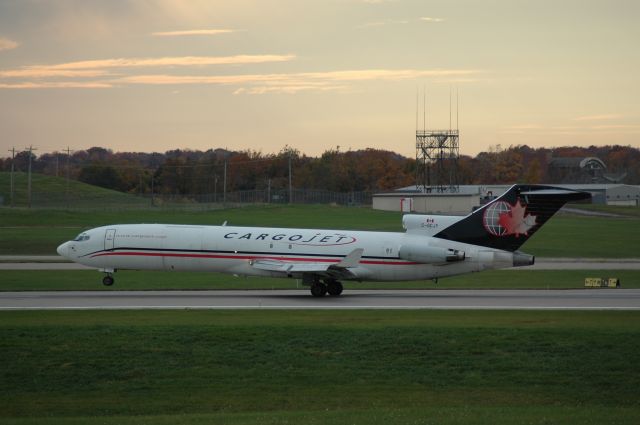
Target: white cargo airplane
x=432 y=246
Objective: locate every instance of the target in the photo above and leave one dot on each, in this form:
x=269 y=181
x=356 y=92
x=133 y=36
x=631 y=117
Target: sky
x=313 y=75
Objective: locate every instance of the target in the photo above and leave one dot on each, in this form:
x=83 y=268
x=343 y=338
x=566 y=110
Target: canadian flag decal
x=504 y=219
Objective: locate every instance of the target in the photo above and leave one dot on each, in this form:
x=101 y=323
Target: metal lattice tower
x=437 y=153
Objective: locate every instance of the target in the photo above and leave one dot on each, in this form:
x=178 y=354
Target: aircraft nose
x=63 y=249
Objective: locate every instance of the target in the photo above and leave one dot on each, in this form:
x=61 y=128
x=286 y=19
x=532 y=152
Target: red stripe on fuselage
x=249 y=257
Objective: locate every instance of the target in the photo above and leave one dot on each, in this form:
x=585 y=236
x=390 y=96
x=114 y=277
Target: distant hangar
x=413 y=199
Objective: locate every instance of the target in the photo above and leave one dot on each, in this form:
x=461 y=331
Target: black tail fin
x=508 y=221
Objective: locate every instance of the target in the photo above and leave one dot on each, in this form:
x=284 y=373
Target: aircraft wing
x=336 y=270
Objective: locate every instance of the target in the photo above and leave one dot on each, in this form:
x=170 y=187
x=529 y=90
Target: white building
x=412 y=199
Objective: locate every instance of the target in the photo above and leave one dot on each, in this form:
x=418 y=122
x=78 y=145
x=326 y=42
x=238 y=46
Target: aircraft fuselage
x=234 y=250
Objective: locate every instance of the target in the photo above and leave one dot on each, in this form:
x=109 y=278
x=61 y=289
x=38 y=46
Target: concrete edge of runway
x=505 y=299
x=327 y=308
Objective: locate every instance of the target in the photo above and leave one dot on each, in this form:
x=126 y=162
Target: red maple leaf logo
x=515 y=222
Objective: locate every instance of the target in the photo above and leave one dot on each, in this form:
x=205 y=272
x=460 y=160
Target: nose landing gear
x=108 y=279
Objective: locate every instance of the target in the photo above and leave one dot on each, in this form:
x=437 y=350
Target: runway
x=580 y=299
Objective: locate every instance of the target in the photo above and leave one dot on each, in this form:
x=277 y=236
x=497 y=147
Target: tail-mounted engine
x=429 y=254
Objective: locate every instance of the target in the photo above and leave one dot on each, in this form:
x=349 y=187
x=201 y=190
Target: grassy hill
x=52 y=192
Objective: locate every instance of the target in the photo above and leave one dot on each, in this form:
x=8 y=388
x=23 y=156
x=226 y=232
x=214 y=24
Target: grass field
x=40 y=232
x=624 y=211
x=24 y=231
x=257 y=367
x=589 y=237
x=80 y=280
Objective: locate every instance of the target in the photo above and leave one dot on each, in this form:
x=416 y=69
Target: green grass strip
x=320 y=366
x=89 y=280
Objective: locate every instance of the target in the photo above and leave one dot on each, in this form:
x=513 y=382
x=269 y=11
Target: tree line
x=184 y=172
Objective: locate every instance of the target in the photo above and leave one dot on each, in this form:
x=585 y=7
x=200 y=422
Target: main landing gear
x=108 y=279
x=329 y=286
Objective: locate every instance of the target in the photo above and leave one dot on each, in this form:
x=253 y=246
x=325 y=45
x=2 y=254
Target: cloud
x=601 y=117
x=387 y=74
x=100 y=67
x=291 y=83
x=431 y=20
x=7 y=44
x=382 y=23
x=191 y=32
x=616 y=127
x=57 y=85
x=297 y=78
x=171 y=61
x=48 y=73
x=572 y=130
x=288 y=89
x=120 y=72
x=524 y=127
x=398 y=22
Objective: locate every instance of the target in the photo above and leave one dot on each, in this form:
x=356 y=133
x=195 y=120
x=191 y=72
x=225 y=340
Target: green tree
x=103 y=176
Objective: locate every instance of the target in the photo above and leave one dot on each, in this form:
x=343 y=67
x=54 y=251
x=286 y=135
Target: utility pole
x=66 y=192
x=290 y=186
x=224 y=194
x=215 y=188
x=13 y=160
x=31 y=149
x=153 y=201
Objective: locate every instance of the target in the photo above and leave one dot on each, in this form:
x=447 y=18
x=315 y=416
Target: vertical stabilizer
x=508 y=221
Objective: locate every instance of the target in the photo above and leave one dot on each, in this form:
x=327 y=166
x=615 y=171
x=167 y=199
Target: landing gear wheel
x=334 y=288
x=108 y=280
x=318 y=289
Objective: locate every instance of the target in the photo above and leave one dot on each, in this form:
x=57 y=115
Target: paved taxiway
x=588 y=299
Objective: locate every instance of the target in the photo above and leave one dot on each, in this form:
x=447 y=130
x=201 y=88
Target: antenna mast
x=457 y=109
x=437 y=153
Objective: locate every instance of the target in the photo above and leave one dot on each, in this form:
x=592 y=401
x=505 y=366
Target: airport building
x=414 y=199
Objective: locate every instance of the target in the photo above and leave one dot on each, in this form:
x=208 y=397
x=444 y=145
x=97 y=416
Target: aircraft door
x=109 y=239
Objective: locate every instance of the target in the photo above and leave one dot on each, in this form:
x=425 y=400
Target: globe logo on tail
x=504 y=219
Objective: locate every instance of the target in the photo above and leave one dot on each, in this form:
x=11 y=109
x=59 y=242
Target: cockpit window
x=81 y=237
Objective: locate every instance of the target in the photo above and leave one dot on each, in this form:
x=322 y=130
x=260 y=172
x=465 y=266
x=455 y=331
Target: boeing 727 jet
x=431 y=247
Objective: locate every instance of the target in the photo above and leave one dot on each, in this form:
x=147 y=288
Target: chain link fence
x=46 y=192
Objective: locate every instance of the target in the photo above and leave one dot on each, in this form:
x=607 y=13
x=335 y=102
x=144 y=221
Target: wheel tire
x=107 y=281
x=318 y=289
x=334 y=288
